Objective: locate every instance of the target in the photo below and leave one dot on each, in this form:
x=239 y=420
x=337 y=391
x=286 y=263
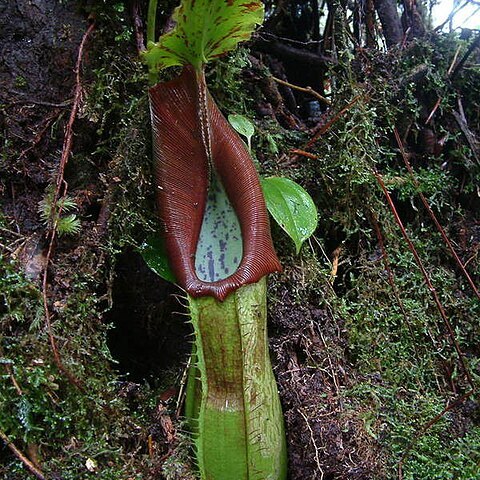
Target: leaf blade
x=291 y=207
x=243 y=126
x=204 y=29
x=155 y=256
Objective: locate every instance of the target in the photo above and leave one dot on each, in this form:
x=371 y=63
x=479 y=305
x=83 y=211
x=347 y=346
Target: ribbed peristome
x=191 y=141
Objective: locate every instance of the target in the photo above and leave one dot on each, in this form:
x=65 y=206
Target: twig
x=472 y=257
x=9 y=370
x=297 y=151
x=14 y=380
x=28 y=464
x=27 y=101
x=471 y=48
x=7 y=248
x=16 y=234
x=439 y=100
x=454 y=60
x=434 y=109
x=469 y=135
x=289 y=40
x=434 y=218
x=15 y=216
x=314 y=443
x=38 y=137
x=451 y=15
x=324 y=128
x=428 y=425
x=61 y=185
x=68 y=139
x=405 y=38
x=309 y=90
x=304 y=57
x=428 y=282
x=289 y=159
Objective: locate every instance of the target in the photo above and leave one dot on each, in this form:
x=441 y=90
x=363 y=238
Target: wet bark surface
x=39 y=47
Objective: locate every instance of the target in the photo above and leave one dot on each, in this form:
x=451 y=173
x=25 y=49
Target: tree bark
x=287 y=52
x=392 y=27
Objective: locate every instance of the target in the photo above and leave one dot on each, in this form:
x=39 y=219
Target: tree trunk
x=390 y=20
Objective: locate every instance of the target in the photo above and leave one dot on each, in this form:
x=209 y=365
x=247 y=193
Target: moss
x=407 y=366
x=101 y=430
x=401 y=372
x=42 y=411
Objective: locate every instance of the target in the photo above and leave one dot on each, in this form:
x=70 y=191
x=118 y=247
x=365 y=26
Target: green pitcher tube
x=232 y=401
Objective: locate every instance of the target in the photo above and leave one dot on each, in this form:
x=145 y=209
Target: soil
x=39 y=47
x=324 y=439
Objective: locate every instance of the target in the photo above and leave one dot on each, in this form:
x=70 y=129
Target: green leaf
x=291 y=207
x=204 y=29
x=155 y=256
x=243 y=126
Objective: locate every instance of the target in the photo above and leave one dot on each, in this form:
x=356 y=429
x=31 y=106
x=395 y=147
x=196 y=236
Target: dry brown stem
x=321 y=131
x=309 y=90
x=22 y=457
x=61 y=189
x=324 y=128
x=428 y=282
x=391 y=278
x=433 y=216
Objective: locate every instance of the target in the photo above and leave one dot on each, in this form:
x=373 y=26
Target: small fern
x=65 y=225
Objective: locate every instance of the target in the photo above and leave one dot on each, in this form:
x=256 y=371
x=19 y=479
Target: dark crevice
x=150 y=330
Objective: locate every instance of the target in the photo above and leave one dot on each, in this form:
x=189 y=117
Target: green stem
x=151 y=20
x=232 y=399
x=152 y=78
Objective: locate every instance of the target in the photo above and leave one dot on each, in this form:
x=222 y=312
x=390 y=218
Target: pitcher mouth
x=194 y=147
